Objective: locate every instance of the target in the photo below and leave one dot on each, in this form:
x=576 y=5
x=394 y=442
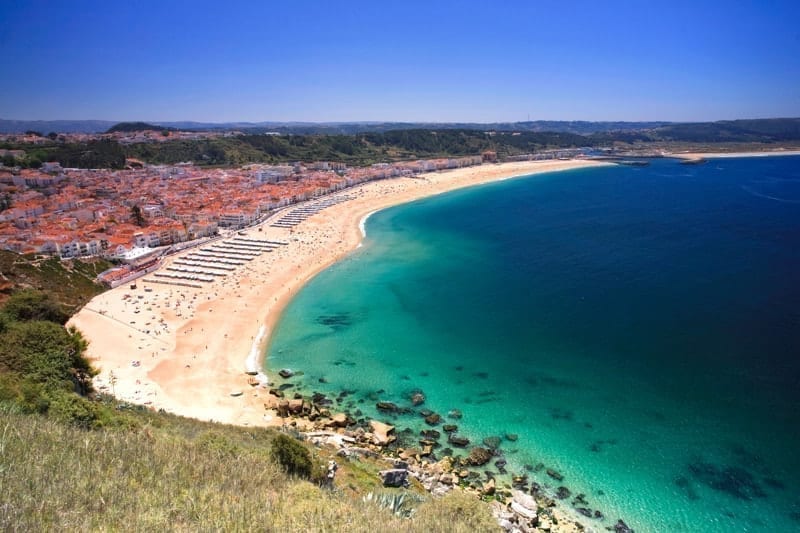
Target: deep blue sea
x=638 y=328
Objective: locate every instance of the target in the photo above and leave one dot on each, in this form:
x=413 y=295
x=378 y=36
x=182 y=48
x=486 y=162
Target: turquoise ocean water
x=638 y=328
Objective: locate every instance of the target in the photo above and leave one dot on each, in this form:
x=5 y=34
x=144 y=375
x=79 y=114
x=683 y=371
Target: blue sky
x=405 y=61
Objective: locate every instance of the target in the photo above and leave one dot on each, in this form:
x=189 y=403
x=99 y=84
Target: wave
x=768 y=197
x=362 y=225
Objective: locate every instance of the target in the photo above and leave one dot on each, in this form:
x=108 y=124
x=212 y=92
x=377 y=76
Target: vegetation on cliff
x=69 y=283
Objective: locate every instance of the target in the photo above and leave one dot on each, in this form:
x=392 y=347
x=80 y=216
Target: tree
x=29 y=304
x=47 y=353
x=136 y=215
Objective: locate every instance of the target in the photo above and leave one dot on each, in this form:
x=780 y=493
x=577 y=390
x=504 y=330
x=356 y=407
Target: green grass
x=70 y=283
x=184 y=475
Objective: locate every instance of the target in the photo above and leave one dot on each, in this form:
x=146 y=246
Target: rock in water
x=478 y=456
x=387 y=406
x=430 y=434
x=395 y=477
x=562 y=493
x=417 y=398
x=285 y=373
x=555 y=475
x=492 y=442
x=622 y=527
x=455 y=440
x=433 y=419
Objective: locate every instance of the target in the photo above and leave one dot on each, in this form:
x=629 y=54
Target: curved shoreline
x=362 y=225
x=167 y=347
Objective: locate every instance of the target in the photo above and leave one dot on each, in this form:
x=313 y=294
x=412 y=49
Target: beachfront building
x=238 y=219
x=199 y=230
x=79 y=248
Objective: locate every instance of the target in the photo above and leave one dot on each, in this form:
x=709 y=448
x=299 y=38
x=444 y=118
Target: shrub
x=31 y=304
x=46 y=352
x=32 y=397
x=73 y=409
x=218 y=444
x=292 y=456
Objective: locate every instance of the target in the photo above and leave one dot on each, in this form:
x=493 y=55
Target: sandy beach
x=696 y=156
x=186 y=349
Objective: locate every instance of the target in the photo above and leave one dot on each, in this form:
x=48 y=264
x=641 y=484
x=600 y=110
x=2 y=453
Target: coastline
x=699 y=156
x=166 y=346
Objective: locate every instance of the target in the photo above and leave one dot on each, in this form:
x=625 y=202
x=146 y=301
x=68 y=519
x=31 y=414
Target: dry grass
x=182 y=475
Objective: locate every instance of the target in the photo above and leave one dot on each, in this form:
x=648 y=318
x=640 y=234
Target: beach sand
x=696 y=156
x=186 y=350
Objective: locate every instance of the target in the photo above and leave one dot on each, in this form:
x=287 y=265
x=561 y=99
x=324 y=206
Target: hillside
x=160 y=472
x=70 y=283
x=75 y=460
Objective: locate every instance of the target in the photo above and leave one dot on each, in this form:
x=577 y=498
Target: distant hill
x=756 y=130
x=136 y=126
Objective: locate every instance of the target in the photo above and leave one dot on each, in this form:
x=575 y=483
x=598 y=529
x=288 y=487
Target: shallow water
x=638 y=328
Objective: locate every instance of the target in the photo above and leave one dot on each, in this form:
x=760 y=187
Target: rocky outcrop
x=478 y=456
x=622 y=527
x=394 y=477
x=433 y=419
x=455 y=440
x=339 y=420
x=562 y=493
x=492 y=442
x=382 y=434
x=388 y=407
x=521 y=514
x=296 y=406
x=417 y=398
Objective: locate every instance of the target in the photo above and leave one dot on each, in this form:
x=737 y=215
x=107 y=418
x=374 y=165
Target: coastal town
x=117 y=214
